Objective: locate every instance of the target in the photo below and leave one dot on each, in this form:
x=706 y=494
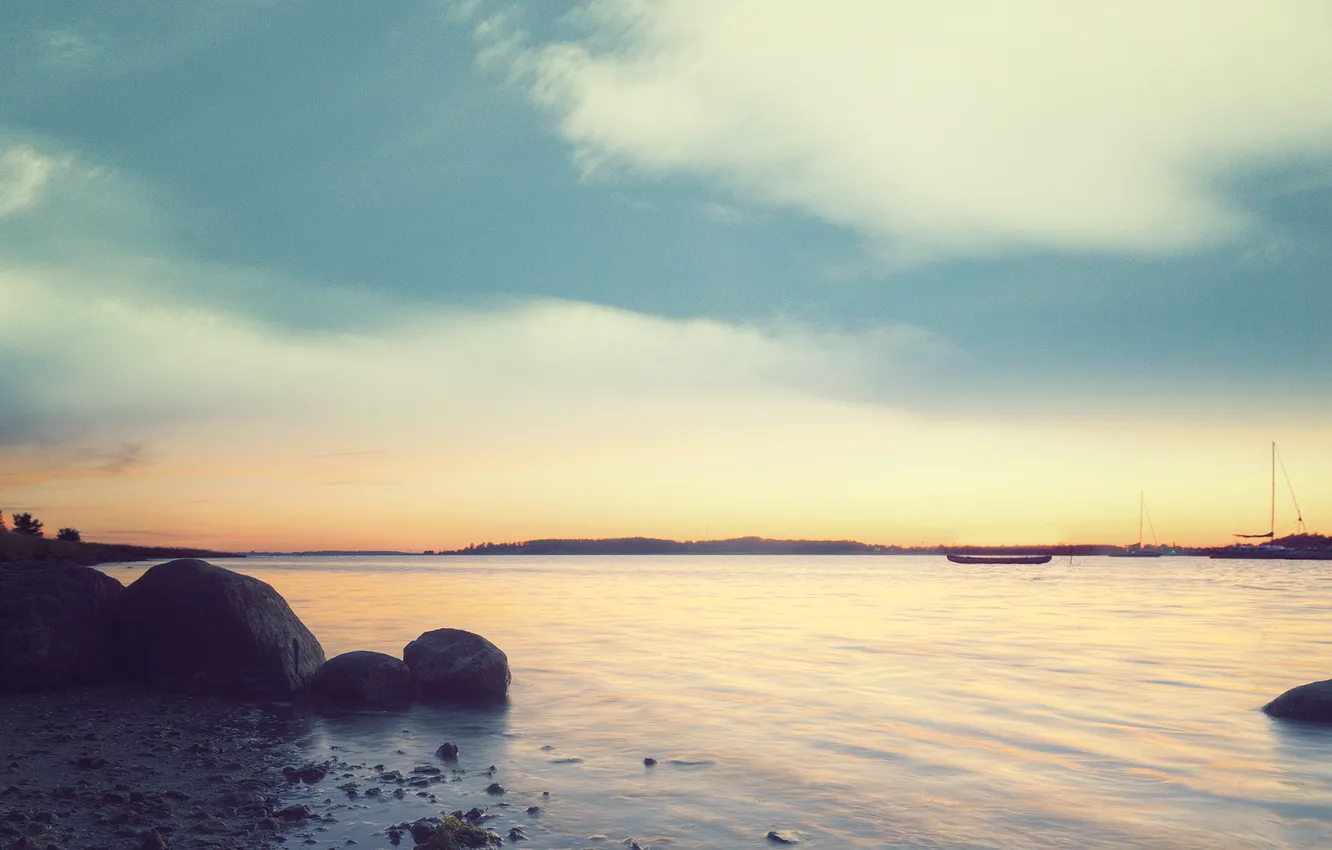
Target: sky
x=302 y=275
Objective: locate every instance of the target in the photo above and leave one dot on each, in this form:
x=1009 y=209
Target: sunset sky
x=284 y=275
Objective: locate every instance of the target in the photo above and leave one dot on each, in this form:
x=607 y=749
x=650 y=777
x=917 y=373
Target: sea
x=853 y=701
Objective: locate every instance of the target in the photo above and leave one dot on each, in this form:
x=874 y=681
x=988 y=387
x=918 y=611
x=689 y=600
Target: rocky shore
x=147 y=717
x=122 y=768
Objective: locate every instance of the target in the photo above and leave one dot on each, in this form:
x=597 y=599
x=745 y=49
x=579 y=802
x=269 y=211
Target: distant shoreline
x=18 y=550
x=765 y=546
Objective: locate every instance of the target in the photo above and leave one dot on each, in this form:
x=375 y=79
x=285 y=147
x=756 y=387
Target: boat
x=1140 y=552
x=1271 y=550
x=999 y=559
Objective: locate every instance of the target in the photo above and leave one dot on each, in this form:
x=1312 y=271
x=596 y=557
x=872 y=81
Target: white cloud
x=947 y=128
x=120 y=357
x=24 y=175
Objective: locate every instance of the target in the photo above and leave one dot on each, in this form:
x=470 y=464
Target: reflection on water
x=858 y=701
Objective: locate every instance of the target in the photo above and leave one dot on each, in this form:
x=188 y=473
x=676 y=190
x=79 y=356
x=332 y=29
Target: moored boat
x=1139 y=552
x=999 y=559
x=1308 y=547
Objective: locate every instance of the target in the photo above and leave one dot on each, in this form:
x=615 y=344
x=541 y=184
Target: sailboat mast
x=1271 y=523
x=1141 y=505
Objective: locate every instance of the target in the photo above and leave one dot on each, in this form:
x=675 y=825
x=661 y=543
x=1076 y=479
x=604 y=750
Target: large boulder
x=192 y=625
x=363 y=678
x=54 y=626
x=1311 y=703
x=451 y=664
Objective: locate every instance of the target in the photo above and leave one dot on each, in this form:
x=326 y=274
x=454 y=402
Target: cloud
x=120 y=354
x=24 y=175
x=938 y=129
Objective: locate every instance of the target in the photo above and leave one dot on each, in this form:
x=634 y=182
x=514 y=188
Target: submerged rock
x=447 y=751
x=192 y=625
x=454 y=834
x=451 y=664
x=55 y=622
x=1311 y=703
x=366 y=678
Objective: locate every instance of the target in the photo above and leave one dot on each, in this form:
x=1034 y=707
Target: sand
x=116 y=767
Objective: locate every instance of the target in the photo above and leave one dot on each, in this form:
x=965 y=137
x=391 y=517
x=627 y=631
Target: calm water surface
x=850 y=701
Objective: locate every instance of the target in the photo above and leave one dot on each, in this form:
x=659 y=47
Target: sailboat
x=1272 y=550
x=1140 y=552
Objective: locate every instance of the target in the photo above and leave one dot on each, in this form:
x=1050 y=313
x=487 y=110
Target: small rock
x=782 y=837
x=534 y=810
x=495 y=788
x=310 y=774
x=649 y=761
x=1311 y=703
x=294 y=813
x=447 y=751
x=516 y=834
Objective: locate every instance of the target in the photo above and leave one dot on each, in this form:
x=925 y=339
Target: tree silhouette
x=69 y=534
x=25 y=524
x=2 y=523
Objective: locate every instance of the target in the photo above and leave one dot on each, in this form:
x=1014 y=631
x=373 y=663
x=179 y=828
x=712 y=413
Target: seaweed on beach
x=450 y=833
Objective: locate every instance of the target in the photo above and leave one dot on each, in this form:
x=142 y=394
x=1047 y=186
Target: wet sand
x=115 y=767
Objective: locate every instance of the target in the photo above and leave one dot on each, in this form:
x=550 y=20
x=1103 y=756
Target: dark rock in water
x=451 y=664
x=153 y=840
x=649 y=761
x=192 y=625
x=294 y=813
x=494 y=788
x=55 y=625
x=1311 y=703
x=782 y=837
x=516 y=833
x=447 y=751
x=362 y=677
x=454 y=834
x=424 y=829
x=534 y=810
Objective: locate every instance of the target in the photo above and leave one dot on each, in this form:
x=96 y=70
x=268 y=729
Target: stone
x=363 y=678
x=424 y=829
x=190 y=625
x=785 y=837
x=649 y=761
x=55 y=626
x=452 y=664
x=1311 y=703
x=447 y=751
x=294 y=813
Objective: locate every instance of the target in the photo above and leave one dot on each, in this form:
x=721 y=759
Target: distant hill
x=21 y=549
x=747 y=546
x=332 y=552
x=1305 y=541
